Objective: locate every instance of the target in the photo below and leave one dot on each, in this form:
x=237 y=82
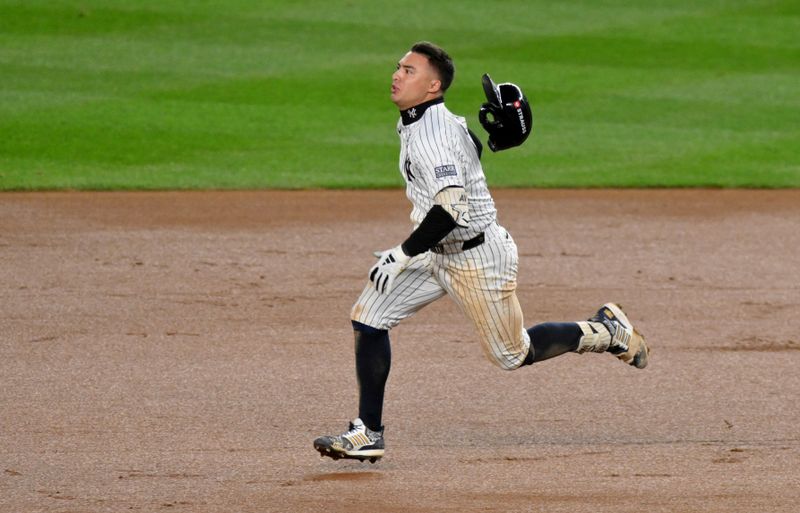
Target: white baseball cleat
x=627 y=343
x=359 y=443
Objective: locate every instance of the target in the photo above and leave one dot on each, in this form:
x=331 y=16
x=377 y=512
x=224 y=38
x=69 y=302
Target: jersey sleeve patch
x=445 y=171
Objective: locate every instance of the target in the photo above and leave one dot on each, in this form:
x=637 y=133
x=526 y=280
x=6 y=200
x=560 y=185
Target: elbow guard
x=454 y=201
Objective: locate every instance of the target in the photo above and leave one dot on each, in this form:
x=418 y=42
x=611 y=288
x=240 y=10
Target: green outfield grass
x=242 y=94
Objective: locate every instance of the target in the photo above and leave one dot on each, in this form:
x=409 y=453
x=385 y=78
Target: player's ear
x=436 y=86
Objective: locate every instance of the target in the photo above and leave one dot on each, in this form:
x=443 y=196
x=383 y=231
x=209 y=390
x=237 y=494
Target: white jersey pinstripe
x=437 y=152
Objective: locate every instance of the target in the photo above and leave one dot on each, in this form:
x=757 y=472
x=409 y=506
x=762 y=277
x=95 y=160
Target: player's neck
x=415 y=112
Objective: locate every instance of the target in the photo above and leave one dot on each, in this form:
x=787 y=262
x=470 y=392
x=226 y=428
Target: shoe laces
x=620 y=335
x=353 y=430
x=361 y=428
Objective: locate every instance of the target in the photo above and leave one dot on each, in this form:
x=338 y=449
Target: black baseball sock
x=373 y=359
x=551 y=339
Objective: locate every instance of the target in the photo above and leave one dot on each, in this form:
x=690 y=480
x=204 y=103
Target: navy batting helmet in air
x=506 y=115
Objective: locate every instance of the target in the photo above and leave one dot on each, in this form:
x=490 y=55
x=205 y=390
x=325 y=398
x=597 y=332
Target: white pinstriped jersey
x=436 y=151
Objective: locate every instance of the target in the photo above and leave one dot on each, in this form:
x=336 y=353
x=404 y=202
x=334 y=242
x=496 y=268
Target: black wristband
x=435 y=227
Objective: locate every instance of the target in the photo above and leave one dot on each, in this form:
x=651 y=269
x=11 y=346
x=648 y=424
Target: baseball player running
x=457 y=248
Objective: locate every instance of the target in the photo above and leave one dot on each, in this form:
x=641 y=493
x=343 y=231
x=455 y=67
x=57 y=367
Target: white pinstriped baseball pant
x=482 y=281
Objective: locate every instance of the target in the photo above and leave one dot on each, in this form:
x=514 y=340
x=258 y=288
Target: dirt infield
x=180 y=351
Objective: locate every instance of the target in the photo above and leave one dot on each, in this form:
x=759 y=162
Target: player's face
x=414 y=81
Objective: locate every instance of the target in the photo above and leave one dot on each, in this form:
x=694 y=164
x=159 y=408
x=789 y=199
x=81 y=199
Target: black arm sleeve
x=436 y=225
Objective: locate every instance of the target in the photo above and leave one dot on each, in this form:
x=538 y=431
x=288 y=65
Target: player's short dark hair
x=440 y=61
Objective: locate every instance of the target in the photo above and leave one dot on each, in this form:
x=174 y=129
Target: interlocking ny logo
x=412 y=112
x=407 y=168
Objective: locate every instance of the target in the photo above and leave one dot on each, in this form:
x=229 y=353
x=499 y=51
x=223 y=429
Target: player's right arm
x=450 y=210
x=438 y=158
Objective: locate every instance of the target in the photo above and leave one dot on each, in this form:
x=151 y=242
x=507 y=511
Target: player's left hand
x=390 y=263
